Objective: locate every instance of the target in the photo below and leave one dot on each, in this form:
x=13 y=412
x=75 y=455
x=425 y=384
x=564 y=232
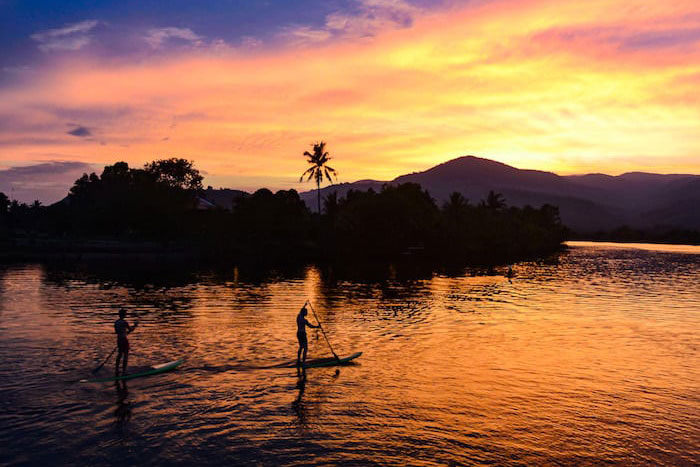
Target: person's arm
x=131 y=329
x=311 y=325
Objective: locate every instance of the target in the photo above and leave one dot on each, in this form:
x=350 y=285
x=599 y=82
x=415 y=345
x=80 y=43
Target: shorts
x=123 y=344
x=301 y=337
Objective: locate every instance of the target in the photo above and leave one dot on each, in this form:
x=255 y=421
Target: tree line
x=162 y=202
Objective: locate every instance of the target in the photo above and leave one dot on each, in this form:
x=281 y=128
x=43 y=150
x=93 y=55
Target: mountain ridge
x=587 y=202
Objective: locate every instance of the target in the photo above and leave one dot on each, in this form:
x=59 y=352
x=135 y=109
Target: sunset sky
x=243 y=87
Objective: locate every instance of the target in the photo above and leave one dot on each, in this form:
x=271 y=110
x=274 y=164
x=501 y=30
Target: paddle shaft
x=322 y=330
x=105 y=360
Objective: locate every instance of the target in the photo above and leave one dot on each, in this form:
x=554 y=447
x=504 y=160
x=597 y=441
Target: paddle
x=112 y=352
x=324 y=332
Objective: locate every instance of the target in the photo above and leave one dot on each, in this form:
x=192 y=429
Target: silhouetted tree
x=177 y=173
x=157 y=202
x=455 y=205
x=150 y=201
x=4 y=215
x=385 y=224
x=456 y=217
x=330 y=205
x=4 y=203
x=272 y=225
x=494 y=201
x=318 y=169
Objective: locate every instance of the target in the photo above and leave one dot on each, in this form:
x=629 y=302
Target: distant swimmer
x=122 y=329
x=302 y=322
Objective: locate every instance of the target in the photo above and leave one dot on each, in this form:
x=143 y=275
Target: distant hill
x=223 y=197
x=587 y=202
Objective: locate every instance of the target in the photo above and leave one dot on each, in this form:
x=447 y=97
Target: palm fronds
x=318 y=170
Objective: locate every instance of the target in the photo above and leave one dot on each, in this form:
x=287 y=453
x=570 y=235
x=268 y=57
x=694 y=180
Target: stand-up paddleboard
x=153 y=370
x=319 y=362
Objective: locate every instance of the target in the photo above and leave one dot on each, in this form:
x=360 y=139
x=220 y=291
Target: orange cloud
x=571 y=87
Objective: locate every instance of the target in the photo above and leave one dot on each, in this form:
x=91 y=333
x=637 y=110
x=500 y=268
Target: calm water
x=592 y=359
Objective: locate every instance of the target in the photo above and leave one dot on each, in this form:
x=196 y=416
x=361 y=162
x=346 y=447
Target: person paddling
x=122 y=329
x=302 y=322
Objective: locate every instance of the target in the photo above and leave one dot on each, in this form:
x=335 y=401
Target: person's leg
x=306 y=347
x=126 y=359
x=301 y=346
x=119 y=357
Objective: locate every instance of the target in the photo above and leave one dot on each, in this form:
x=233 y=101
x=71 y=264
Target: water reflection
x=122 y=411
x=298 y=405
x=586 y=359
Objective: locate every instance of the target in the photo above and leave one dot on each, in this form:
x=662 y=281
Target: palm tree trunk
x=318 y=191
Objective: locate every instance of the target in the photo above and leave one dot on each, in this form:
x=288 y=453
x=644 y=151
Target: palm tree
x=494 y=201
x=318 y=169
x=456 y=203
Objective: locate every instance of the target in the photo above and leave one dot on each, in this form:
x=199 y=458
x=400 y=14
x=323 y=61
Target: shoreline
x=129 y=250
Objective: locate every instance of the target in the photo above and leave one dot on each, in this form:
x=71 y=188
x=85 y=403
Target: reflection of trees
x=99 y=291
x=115 y=272
x=375 y=272
x=166 y=291
x=387 y=281
x=393 y=297
x=257 y=275
x=143 y=274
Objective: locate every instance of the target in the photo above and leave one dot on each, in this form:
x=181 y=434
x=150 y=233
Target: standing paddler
x=122 y=329
x=302 y=322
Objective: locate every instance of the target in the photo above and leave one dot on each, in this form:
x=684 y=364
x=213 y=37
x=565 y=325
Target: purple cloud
x=659 y=39
x=80 y=132
x=623 y=39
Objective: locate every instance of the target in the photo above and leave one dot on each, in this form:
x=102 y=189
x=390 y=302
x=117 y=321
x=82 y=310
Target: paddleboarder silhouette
x=122 y=329
x=302 y=322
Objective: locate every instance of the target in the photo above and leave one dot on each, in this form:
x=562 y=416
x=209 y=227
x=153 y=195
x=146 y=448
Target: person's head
x=303 y=311
x=122 y=313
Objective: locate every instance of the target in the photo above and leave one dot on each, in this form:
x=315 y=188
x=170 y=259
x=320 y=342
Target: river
x=587 y=359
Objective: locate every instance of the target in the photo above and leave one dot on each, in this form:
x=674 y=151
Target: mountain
x=223 y=197
x=586 y=202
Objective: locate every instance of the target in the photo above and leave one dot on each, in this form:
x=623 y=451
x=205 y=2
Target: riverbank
x=151 y=255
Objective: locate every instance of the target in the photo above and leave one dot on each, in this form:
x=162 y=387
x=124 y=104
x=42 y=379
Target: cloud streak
x=69 y=37
x=158 y=37
x=369 y=18
x=663 y=39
